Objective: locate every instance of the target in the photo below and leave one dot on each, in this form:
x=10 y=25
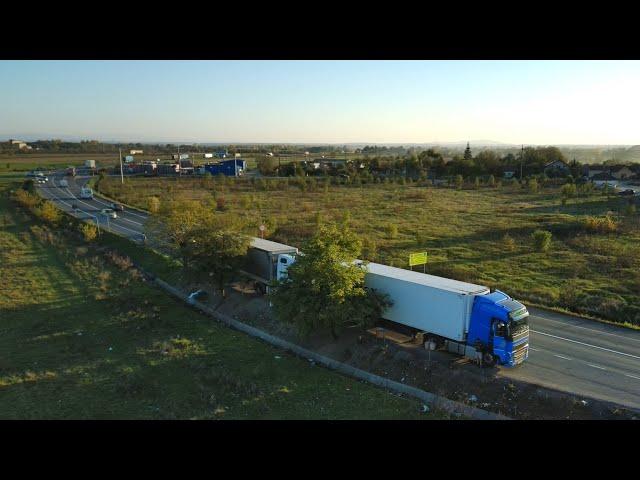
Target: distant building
x=508 y=174
x=556 y=168
x=222 y=154
x=134 y=152
x=622 y=173
x=332 y=162
x=229 y=168
x=593 y=172
x=20 y=144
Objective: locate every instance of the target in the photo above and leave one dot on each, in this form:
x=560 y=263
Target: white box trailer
x=426 y=302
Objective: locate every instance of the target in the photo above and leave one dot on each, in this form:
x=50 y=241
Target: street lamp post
x=121 y=174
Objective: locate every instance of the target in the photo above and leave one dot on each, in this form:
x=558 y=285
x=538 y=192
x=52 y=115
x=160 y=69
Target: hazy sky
x=531 y=102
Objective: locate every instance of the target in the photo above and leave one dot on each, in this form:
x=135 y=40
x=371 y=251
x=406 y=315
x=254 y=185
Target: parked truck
x=463 y=318
x=265 y=259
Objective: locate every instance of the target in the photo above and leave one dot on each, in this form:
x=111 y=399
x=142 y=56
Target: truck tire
x=488 y=360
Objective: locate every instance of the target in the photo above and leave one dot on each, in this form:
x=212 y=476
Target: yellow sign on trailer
x=417 y=259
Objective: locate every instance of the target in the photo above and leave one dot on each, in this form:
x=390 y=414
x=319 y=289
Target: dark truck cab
x=262 y=261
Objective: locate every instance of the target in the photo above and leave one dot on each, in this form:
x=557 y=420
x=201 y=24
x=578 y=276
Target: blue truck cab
x=499 y=328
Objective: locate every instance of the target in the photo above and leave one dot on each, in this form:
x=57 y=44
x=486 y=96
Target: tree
x=154 y=204
x=467 y=153
x=177 y=223
x=324 y=289
x=216 y=251
x=267 y=165
x=49 y=212
x=89 y=232
x=541 y=240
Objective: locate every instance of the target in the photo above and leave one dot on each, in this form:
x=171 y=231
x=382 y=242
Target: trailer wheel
x=488 y=360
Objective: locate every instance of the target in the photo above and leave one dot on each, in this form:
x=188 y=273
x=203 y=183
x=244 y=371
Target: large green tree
x=217 y=250
x=325 y=289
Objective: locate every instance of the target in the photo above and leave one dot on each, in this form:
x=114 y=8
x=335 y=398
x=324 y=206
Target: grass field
x=46 y=161
x=84 y=337
x=481 y=235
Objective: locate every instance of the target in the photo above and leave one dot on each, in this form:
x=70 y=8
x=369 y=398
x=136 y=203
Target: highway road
x=129 y=224
x=566 y=353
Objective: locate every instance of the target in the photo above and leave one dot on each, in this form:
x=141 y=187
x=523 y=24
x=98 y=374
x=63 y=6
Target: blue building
x=229 y=168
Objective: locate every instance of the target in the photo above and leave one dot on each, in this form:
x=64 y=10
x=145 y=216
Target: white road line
x=590 y=329
x=116 y=225
x=632 y=376
x=127 y=220
x=560 y=356
x=534 y=349
x=97 y=199
x=586 y=344
x=596 y=366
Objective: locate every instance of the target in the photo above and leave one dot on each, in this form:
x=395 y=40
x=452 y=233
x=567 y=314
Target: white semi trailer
x=464 y=318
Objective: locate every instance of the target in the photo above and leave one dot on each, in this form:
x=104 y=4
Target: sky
x=517 y=102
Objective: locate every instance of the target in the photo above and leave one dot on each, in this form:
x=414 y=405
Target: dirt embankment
x=437 y=372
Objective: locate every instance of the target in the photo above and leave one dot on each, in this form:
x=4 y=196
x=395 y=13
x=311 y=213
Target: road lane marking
x=590 y=329
x=93 y=217
x=596 y=366
x=586 y=344
x=560 y=356
x=632 y=376
x=534 y=349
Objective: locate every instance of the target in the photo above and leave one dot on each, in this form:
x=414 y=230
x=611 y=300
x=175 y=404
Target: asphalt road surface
x=566 y=353
x=129 y=223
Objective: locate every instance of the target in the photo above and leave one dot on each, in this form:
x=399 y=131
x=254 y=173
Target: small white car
x=109 y=213
x=64 y=183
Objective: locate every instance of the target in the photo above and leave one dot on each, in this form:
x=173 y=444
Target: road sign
x=417 y=258
x=262 y=228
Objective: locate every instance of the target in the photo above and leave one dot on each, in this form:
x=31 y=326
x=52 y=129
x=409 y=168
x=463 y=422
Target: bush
x=568 y=190
x=630 y=209
x=369 y=249
x=89 y=232
x=49 y=212
x=533 y=185
x=221 y=203
x=26 y=199
x=600 y=224
x=154 y=204
x=392 y=230
x=459 y=180
x=508 y=242
x=541 y=240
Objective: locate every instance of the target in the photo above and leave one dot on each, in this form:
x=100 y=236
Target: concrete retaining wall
x=428 y=398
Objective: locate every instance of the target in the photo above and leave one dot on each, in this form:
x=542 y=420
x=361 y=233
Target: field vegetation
x=586 y=260
x=86 y=336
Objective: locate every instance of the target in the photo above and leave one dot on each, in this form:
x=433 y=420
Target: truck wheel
x=488 y=360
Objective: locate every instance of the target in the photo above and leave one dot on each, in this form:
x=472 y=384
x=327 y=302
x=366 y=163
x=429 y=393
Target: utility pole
x=521 y=160
x=121 y=174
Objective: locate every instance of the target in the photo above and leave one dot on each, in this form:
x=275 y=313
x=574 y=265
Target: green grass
x=462 y=230
x=82 y=338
